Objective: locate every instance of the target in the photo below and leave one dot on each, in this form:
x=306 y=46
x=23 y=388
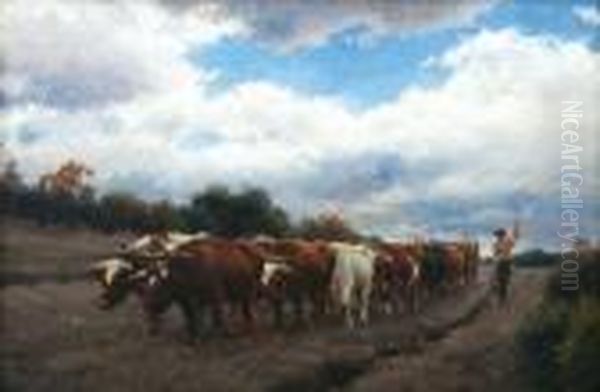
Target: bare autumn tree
x=69 y=179
x=63 y=194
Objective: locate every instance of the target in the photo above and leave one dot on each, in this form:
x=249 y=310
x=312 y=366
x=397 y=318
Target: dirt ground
x=54 y=339
x=479 y=356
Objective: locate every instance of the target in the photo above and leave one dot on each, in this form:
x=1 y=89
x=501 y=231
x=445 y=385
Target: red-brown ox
x=471 y=250
x=454 y=258
x=462 y=259
x=397 y=276
x=203 y=274
x=297 y=271
x=446 y=264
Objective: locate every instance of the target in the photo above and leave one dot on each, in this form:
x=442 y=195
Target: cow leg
x=217 y=316
x=383 y=297
x=277 y=304
x=189 y=313
x=154 y=323
x=399 y=296
x=298 y=311
x=388 y=307
x=365 y=295
x=349 y=316
x=346 y=302
x=414 y=293
x=411 y=298
x=247 y=313
x=468 y=274
x=407 y=298
x=318 y=301
x=154 y=306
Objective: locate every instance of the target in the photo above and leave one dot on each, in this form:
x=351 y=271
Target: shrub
x=579 y=353
x=588 y=280
x=560 y=341
x=536 y=258
x=539 y=339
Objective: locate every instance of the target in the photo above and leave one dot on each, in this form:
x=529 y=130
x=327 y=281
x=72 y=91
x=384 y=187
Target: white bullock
x=352 y=279
x=167 y=242
x=106 y=270
x=148 y=245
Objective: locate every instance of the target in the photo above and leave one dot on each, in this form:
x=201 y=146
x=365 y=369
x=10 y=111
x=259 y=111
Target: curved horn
x=144 y=256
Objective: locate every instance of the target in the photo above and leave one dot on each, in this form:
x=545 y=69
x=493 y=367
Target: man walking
x=502 y=248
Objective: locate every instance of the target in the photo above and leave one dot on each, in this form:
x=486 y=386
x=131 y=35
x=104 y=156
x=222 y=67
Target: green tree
x=11 y=188
x=120 y=211
x=219 y=211
x=164 y=216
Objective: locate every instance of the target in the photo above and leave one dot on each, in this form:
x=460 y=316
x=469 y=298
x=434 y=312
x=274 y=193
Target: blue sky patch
x=366 y=71
x=363 y=74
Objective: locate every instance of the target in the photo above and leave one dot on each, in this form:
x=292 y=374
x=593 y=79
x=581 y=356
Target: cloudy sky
x=407 y=117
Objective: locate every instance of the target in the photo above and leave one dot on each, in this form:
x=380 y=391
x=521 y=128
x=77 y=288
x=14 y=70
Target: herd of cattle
x=201 y=273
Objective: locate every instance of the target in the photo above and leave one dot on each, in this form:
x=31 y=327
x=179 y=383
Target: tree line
x=63 y=197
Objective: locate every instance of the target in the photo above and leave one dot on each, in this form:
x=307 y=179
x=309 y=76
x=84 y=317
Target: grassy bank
x=560 y=341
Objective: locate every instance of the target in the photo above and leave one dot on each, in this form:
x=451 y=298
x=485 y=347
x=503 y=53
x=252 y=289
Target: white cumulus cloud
x=588 y=15
x=462 y=147
x=77 y=54
x=293 y=24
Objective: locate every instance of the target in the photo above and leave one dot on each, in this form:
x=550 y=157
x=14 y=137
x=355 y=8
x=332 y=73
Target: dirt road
x=479 y=356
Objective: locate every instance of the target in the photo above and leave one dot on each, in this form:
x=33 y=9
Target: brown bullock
x=471 y=250
x=299 y=271
x=397 y=276
x=202 y=274
x=447 y=264
x=454 y=258
x=462 y=259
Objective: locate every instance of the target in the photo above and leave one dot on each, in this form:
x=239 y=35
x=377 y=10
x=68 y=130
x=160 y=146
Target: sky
x=432 y=118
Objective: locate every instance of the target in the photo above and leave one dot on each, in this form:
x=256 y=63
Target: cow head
x=149 y=245
x=147 y=256
x=383 y=274
x=274 y=275
x=117 y=278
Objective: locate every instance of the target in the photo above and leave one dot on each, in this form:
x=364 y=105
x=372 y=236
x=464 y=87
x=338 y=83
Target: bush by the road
x=539 y=340
x=579 y=353
x=560 y=342
x=536 y=258
x=588 y=280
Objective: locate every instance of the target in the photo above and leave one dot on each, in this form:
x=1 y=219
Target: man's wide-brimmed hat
x=499 y=232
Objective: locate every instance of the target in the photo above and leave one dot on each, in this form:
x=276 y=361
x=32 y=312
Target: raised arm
x=516 y=231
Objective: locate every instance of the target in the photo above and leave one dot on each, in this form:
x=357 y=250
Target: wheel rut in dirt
x=359 y=351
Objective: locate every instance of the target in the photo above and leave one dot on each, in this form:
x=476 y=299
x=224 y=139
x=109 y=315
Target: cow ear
x=94 y=272
x=121 y=246
x=140 y=275
x=286 y=269
x=163 y=272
